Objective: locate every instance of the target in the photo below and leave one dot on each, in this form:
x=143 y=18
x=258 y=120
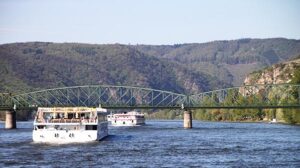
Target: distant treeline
x=291 y=116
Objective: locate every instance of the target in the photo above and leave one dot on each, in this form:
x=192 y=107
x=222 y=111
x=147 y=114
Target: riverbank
x=288 y=116
x=258 y=122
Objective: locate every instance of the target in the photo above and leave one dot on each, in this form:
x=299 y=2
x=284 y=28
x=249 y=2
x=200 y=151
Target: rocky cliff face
x=276 y=74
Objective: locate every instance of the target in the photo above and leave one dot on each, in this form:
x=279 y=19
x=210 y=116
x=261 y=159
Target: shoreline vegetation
x=283 y=116
x=262 y=121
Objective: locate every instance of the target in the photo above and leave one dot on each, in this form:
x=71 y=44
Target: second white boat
x=131 y=118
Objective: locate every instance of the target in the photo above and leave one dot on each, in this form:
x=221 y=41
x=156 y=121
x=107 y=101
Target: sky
x=147 y=21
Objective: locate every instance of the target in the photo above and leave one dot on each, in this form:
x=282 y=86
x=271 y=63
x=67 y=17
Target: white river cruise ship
x=69 y=124
x=131 y=118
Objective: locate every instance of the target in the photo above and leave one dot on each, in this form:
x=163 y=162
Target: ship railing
x=66 y=120
x=91 y=120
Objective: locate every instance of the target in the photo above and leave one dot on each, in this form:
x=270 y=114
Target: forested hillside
x=32 y=66
x=182 y=68
x=229 y=61
x=285 y=72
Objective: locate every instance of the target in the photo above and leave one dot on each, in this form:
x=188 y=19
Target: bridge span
x=128 y=97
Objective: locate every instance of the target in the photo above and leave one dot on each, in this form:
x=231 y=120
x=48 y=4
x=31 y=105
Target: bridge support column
x=187 y=119
x=10 y=120
x=274 y=114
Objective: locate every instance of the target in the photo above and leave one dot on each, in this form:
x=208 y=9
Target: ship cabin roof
x=66 y=110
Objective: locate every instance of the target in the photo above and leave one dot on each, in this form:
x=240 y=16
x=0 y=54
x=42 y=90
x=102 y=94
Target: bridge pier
x=10 y=119
x=187 y=119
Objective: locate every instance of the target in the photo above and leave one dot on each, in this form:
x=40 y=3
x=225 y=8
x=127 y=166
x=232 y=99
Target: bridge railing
x=256 y=96
x=107 y=96
x=5 y=100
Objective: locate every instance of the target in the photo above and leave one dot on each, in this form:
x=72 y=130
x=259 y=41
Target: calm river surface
x=161 y=144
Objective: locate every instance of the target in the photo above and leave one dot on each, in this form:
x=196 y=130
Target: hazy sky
x=147 y=21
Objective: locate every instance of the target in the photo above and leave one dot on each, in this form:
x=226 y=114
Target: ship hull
x=127 y=122
x=70 y=136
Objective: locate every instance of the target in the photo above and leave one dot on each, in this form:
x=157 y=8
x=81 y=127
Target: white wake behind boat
x=69 y=124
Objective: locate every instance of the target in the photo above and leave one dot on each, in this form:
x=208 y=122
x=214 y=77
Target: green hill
x=36 y=65
x=184 y=68
x=229 y=61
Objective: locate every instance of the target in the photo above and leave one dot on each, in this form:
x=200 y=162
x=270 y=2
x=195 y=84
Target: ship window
x=132 y=121
x=91 y=127
x=123 y=122
x=58 y=115
x=71 y=115
x=56 y=135
x=40 y=126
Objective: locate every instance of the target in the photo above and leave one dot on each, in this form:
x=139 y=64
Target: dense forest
x=32 y=66
x=229 y=61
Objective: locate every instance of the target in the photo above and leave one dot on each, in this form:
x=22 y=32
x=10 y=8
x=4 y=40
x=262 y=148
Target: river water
x=161 y=144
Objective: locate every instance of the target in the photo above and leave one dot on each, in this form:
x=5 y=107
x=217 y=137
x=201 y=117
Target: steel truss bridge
x=127 y=97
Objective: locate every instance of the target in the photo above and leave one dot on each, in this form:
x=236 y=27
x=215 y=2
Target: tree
x=296 y=78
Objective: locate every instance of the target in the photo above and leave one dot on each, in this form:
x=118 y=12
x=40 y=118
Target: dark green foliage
x=165 y=114
x=186 y=68
x=228 y=61
x=291 y=116
x=33 y=66
x=296 y=80
x=214 y=114
x=85 y=51
x=296 y=77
